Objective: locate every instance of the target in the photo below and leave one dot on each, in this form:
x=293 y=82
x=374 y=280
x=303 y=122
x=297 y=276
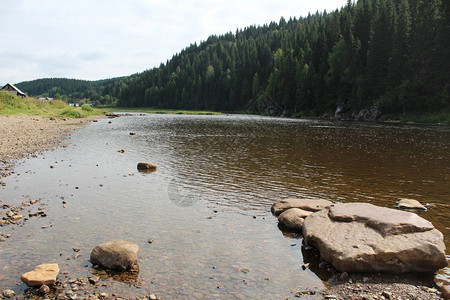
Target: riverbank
x=23 y=135
x=428 y=119
x=164 y=111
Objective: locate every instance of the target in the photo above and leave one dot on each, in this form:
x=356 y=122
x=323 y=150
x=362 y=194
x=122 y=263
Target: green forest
x=367 y=59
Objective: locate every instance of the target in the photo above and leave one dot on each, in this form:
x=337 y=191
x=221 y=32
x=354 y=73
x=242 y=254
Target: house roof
x=15 y=88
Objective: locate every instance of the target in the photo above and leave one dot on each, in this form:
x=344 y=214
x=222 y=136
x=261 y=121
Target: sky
x=87 y=39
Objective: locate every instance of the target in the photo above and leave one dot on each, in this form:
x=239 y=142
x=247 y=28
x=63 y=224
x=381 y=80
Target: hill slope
x=368 y=58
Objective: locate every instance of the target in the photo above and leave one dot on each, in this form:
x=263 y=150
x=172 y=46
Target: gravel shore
x=23 y=135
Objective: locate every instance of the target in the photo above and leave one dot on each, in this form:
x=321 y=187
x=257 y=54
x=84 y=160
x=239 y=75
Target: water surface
x=207 y=207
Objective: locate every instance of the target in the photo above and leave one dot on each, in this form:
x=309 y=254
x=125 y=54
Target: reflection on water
x=207 y=207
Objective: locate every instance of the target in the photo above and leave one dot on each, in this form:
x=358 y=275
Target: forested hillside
x=372 y=56
x=70 y=88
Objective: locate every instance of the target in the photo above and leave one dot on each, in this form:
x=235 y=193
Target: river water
x=207 y=207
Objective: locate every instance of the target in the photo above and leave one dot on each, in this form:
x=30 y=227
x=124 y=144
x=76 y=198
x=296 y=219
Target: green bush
x=71 y=113
x=87 y=107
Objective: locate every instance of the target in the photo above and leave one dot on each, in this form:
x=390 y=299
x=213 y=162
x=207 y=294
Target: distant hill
x=71 y=88
x=369 y=58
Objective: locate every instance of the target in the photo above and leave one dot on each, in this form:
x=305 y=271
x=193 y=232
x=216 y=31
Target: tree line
x=392 y=55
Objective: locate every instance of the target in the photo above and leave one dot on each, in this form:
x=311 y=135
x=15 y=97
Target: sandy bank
x=23 y=135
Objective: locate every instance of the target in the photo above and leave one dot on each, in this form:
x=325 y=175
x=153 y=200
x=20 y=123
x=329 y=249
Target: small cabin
x=11 y=89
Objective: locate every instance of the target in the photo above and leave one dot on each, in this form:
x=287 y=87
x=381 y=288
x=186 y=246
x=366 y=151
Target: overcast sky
x=87 y=39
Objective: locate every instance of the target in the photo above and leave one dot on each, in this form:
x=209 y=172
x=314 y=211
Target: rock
x=387 y=295
x=93 y=279
x=116 y=255
x=385 y=220
x=42 y=274
x=445 y=290
x=16 y=217
x=142 y=166
x=44 y=289
x=306 y=204
x=410 y=204
x=104 y=295
x=361 y=237
x=293 y=218
x=9 y=293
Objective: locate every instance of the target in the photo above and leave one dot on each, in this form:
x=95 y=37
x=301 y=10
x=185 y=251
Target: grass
x=164 y=111
x=13 y=105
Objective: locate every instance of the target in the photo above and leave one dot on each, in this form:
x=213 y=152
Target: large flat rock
x=360 y=237
x=385 y=220
x=303 y=203
x=42 y=274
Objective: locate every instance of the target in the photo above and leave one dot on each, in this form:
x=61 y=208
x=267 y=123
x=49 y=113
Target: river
x=207 y=207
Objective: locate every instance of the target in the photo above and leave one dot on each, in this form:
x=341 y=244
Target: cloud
x=101 y=39
x=89 y=56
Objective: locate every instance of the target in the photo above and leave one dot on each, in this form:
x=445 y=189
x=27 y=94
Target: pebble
x=153 y=297
x=343 y=276
x=93 y=279
x=44 y=289
x=9 y=293
x=104 y=295
x=445 y=290
x=386 y=295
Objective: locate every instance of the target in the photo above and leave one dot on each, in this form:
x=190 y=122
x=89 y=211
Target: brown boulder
x=42 y=274
x=115 y=255
x=361 y=237
x=306 y=204
x=146 y=167
x=293 y=218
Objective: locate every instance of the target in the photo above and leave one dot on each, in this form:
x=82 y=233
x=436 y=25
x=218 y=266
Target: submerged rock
x=115 y=255
x=42 y=274
x=361 y=237
x=293 y=218
x=410 y=204
x=306 y=204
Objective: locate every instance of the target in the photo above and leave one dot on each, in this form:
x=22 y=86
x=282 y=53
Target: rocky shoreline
x=24 y=136
x=373 y=252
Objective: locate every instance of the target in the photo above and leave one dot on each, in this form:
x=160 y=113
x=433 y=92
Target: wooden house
x=11 y=89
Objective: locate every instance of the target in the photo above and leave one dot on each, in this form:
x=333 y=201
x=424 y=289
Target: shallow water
x=207 y=207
